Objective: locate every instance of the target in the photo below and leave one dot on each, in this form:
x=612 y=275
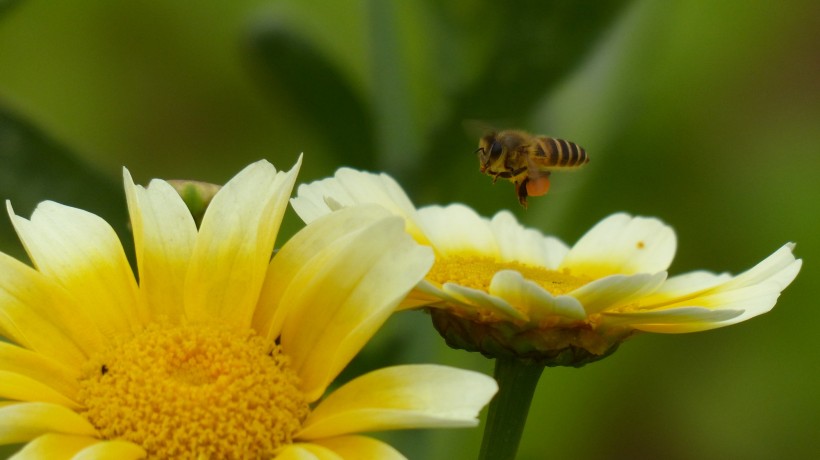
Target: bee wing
x=478 y=128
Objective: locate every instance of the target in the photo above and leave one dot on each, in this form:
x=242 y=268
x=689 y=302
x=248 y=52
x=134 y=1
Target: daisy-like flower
x=219 y=351
x=508 y=291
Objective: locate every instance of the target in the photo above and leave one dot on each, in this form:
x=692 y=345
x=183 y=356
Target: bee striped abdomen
x=560 y=153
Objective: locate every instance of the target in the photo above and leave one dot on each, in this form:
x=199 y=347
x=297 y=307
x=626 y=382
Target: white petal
x=524 y=245
x=621 y=244
x=616 y=290
x=349 y=187
x=310 y=202
x=529 y=297
x=457 y=229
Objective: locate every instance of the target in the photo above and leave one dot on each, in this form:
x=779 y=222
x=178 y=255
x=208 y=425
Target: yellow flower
x=505 y=290
x=218 y=351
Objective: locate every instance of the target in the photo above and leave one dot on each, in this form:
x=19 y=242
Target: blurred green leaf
x=536 y=44
x=281 y=58
x=531 y=48
x=704 y=114
x=36 y=168
x=7 y=5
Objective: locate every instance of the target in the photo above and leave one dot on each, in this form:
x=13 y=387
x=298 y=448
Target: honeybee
x=527 y=160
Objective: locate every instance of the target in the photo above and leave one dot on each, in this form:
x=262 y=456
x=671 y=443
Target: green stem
x=508 y=410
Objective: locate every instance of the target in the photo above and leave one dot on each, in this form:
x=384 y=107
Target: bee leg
x=521 y=189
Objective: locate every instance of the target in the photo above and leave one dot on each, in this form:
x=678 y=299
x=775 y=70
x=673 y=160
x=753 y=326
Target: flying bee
x=527 y=160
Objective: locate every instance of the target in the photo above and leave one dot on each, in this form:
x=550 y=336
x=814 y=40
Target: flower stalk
x=508 y=411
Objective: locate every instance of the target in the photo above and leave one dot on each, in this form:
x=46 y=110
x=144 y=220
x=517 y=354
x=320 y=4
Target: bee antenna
x=480 y=149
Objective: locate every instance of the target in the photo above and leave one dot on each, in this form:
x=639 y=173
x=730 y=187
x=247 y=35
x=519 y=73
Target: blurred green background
x=705 y=114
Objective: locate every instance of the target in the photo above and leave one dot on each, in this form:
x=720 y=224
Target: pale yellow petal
x=531 y=298
x=424 y=294
x=438 y=297
x=752 y=293
x=23 y=422
x=343 y=295
x=360 y=448
x=39 y=315
x=307 y=451
x=296 y=254
x=81 y=252
x=781 y=268
x=457 y=229
x=295 y=453
x=54 y=447
x=235 y=243
x=615 y=290
x=164 y=235
x=673 y=320
x=18 y=387
x=745 y=303
x=470 y=304
x=526 y=245
x=411 y=396
x=687 y=284
x=482 y=302
x=682 y=287
x=754 y=300
x=111 y=450
x=41 y=368
x=622 y=244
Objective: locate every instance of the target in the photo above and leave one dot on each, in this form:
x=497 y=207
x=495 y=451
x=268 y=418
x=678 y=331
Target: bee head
x=489 y=149
x=495 y=149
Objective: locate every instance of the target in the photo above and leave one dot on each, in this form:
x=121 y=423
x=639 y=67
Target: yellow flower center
x=191 y=391
x=477 y=272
